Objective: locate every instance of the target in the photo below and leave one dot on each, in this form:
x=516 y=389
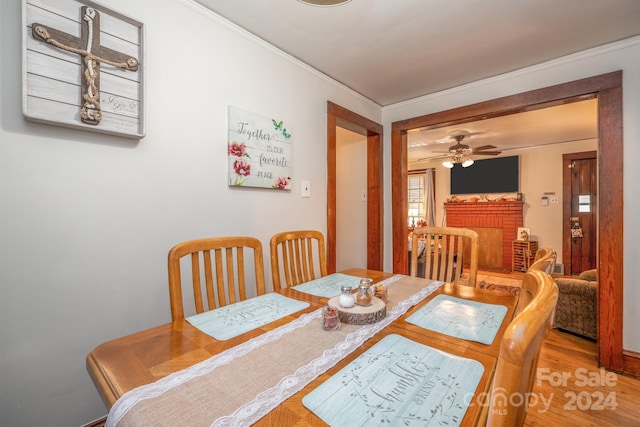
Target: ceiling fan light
x=447 y=164
x=467 y=163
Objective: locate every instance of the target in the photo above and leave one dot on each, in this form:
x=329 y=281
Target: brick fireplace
x=497 y=225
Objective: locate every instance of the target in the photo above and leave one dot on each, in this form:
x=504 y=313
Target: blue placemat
x=232 y=320
x=398 y=382
x=461 y=318
x=328 y=286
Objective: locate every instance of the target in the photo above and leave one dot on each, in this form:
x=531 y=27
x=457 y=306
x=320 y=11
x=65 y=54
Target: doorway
x=338 y=116
x=607 y=88
x=579 y=211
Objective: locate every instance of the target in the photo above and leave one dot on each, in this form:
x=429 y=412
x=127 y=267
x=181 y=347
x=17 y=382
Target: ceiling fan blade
x=484 y=147
x=424 y=159
x=487 y=153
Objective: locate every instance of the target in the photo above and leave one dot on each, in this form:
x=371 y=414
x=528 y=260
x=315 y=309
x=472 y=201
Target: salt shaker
x=346 y=299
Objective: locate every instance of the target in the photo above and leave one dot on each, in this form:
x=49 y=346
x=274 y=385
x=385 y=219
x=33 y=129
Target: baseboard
x=631 y=363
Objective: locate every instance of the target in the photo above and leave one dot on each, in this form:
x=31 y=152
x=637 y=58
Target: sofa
x=577 y=308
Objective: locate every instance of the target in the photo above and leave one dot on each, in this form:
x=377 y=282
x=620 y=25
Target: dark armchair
x=577 y=309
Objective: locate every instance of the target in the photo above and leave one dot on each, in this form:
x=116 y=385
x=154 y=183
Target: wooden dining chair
x=545 y=260
x=519 y=350
x=299 y=256
x=222 y=259
x=529 y=288
x=447 y=249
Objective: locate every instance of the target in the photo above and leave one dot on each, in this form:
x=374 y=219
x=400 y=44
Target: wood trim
x=399 y=207
x=608 y=89
x=339 y=116
x=331 y=191
x=610 y=227
x=631 y=363
x=375 y=207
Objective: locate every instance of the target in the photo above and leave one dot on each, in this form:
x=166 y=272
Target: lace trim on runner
x=291 y=384
x=149 y=391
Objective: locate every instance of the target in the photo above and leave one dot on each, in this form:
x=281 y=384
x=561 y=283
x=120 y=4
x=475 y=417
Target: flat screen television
x=497 y=175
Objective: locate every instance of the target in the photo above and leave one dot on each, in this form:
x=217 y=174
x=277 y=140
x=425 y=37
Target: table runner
x=397 y=382
x=235 y=319
x=460 y=318
x=224 y=390
x=328 y=286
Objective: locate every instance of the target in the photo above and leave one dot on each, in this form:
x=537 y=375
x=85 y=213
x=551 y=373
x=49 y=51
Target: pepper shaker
x=363 y=297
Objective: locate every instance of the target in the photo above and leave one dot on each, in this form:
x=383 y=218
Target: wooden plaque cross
x=92 y=55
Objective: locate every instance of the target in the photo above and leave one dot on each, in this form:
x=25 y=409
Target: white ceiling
x=394 y=50
x=577 y=121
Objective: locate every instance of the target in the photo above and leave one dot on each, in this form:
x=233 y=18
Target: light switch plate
x=306 y=188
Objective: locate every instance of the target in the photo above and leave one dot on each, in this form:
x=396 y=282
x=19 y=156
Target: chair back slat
x=195 y=275
x=208 y=278
x=221 y=284
x=309 y=256
x=241 y=289
x=299 y=256
x=444 y=253
x=222 y=259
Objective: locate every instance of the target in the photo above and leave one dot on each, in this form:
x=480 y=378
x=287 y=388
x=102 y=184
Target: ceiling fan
x=461 y=153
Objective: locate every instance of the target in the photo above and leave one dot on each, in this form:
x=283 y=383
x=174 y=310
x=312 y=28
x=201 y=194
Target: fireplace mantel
x=507 y=216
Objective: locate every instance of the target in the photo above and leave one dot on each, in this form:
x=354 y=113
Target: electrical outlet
x=306 y=188
x=554 y=200
x=363 y=195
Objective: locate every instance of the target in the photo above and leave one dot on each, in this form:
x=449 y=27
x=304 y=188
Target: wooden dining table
x=142 y=358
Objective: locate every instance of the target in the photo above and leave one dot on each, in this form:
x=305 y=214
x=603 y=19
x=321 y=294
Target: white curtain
x=429 y=199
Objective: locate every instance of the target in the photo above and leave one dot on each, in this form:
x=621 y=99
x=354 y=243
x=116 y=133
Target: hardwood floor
x=571 y=389
x=576 y=391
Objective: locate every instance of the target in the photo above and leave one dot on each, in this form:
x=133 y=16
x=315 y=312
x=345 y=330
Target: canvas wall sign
x=259 y=151
x=82 y=67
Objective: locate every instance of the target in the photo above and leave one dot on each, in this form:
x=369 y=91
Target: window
x=415 y=198
x=416 y=185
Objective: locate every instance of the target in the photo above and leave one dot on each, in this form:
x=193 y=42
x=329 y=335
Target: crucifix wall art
x=82 y=67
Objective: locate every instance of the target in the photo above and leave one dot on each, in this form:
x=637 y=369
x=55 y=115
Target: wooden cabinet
x=522 y=254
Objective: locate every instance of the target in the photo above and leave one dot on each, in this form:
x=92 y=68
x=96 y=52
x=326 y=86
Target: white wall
x=351 y=211
x=625 y=56
x=541 y=172
x=87 y=219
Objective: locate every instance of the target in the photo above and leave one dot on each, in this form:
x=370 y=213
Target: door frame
x=607 y=88
x=340 y=116
x=566 y=203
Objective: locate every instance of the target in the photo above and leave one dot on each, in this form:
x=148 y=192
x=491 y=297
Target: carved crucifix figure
x=92 y=54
